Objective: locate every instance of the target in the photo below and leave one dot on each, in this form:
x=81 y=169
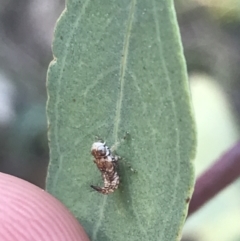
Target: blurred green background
x=210 y=31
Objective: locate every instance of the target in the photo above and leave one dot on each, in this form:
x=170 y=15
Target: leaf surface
x=119 y=67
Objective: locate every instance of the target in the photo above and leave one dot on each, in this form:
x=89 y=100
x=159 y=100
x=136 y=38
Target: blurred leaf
x=28 y=133
x=119 y=67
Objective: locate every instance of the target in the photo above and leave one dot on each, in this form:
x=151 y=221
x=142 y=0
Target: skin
x=28 y=213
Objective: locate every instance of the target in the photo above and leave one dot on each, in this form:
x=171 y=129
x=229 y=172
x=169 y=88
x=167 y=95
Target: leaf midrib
x=123 y=67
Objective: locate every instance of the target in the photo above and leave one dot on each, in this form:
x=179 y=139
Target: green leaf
x=119 y=67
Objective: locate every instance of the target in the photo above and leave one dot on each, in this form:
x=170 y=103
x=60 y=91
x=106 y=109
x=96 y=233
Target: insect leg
x=115 y=146
x=98 y=138
x=127 y=164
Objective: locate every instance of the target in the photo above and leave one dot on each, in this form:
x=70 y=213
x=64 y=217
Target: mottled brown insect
x=107 y=163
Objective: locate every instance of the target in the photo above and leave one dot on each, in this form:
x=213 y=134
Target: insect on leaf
x=118 y=68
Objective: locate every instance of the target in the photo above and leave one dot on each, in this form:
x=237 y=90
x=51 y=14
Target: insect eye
x=102 y=150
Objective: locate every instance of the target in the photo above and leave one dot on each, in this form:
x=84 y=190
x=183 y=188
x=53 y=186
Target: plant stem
x=222 y=173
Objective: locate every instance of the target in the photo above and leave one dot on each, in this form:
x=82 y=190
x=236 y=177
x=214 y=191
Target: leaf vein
x=59 y=88
x=165 y=69
x=101 y=76
x=123 y=67
x=99 y=222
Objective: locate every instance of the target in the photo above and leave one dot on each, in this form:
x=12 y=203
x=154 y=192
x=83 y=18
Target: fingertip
x=30 y=213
